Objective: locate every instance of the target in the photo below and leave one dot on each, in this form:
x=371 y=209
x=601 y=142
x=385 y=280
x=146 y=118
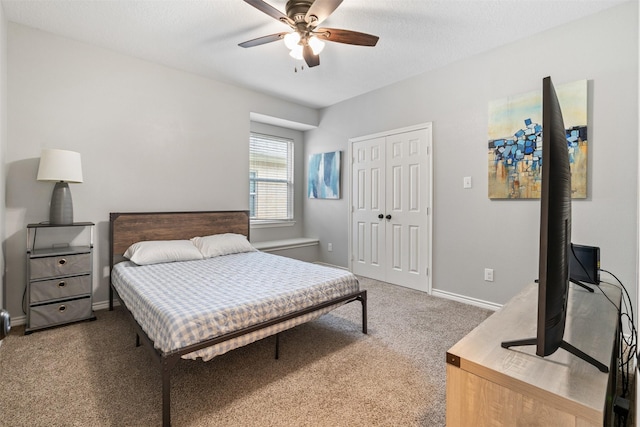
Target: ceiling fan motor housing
x=297 y=10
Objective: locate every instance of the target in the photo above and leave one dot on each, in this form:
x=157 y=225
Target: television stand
x=490 y=385
x=563 y=345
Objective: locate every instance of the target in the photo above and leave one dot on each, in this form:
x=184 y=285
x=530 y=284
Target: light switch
x=467 y=182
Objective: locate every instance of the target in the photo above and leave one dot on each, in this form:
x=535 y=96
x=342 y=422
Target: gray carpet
x=328 y=374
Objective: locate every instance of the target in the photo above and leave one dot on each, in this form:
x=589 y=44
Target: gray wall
x=472 y=232
x=155 y=138
x=152 y=138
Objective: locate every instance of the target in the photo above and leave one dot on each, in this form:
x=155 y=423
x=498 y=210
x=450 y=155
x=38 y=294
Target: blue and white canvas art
x=324 y=176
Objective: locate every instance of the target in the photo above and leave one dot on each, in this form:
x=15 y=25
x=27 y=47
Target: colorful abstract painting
x=324 y=176
x=515 y=142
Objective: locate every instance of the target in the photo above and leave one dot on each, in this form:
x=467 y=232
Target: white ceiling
x=202 y=36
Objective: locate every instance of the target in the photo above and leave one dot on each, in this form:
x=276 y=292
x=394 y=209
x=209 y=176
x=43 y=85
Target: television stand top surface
x=591 y=326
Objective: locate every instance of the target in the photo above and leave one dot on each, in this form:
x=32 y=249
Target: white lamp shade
x=316 y=45
x=291 y=40
x=296 y=52
x=60 y=165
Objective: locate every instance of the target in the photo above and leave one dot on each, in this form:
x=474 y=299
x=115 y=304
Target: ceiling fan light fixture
x=296 y=52
x=316 y=45
x=306 y=41
x=291 y=40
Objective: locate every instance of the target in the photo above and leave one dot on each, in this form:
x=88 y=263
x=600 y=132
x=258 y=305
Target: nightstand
x=59 y=279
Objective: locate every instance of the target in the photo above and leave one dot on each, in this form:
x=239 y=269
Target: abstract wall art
x=516 y=154
x=324 y=176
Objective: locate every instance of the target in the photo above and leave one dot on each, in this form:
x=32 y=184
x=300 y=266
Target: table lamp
x=62 y=167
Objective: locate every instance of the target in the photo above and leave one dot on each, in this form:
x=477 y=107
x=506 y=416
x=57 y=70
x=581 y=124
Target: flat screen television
x=555 y=235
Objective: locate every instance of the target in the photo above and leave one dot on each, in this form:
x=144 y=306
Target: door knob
x=380 y=216
x=388 y=217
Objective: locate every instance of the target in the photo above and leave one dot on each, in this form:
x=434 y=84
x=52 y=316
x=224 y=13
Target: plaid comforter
x=183 y=303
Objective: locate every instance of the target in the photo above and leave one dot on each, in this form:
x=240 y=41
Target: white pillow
x=157 y=251
x=222 y=244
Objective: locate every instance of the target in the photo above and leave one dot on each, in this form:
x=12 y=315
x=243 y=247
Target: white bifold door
x=391 y=185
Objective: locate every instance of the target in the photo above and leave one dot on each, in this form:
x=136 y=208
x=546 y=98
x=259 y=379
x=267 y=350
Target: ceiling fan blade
x=263 y=40
x=271 y=11
x=321 y=9
x=309 y=57
x=346 y=36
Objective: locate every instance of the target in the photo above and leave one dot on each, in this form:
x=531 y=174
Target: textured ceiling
x=202 y=37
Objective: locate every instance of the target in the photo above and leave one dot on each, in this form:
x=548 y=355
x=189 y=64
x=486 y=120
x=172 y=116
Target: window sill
x=271 y=224
x=278 y=245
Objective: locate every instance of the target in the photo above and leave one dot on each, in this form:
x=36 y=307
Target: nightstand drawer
x=59 y=265
x=60 y=288
x=62 y=312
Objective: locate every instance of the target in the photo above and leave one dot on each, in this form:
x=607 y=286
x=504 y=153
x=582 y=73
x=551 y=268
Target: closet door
x=406 y=213
x=368 y=196
x=390 y=197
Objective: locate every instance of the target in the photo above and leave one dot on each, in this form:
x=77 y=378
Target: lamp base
x=61 y=212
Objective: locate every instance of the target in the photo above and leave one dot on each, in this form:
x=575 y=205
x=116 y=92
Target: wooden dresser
x=488 y=385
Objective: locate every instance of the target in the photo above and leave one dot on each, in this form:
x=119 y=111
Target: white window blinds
x=270 y=177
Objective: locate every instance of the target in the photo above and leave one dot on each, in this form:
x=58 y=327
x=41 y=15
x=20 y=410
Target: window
x=270 y=178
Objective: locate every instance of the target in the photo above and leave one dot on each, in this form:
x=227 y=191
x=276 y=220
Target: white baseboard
x=331 y=265
x=104 y=305
x=20 y=320
x=450 y=295
x=466 y=300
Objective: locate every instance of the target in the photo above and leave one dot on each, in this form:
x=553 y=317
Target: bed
x=201 y=308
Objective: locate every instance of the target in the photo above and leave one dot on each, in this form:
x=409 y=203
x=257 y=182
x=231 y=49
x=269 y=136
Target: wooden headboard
x=127 y=228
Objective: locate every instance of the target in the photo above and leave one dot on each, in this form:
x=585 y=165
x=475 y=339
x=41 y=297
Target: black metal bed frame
x=168 y=360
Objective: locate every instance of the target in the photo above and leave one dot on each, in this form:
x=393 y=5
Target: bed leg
x=166 y=395
x=167 y=364
x=277 y=345
x=137 y=340
x=363 y=300
x=110 y=298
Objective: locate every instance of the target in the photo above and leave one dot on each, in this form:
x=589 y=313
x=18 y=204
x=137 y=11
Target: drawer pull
x=62 y=308
x=62 y=284
x=62 y=261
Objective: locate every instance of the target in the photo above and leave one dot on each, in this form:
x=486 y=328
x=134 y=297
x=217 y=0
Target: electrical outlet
x=488 y=274
x=330 y=247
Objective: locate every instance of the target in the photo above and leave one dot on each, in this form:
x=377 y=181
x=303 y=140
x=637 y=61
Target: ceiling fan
x=307 y=40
